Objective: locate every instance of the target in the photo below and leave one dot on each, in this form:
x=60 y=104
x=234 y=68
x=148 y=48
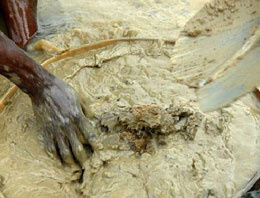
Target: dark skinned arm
x=20 y=19
x=55 y=104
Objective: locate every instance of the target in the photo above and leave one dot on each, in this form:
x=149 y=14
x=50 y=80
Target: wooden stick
x=69 y=53
x=8 y=95
x=249 y=185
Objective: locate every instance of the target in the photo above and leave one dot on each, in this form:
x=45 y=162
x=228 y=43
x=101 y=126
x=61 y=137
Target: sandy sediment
x=153 y=139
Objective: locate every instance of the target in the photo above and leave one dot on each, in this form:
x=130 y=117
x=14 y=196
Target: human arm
x=55 y=103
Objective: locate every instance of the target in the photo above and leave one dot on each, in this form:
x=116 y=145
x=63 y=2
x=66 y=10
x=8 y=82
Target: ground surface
x=154 y=141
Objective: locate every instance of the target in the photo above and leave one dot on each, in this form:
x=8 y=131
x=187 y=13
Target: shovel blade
x=211 y=37
x=239 y=80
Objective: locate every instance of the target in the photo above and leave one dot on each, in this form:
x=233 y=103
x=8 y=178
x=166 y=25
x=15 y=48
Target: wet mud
x=153 y=139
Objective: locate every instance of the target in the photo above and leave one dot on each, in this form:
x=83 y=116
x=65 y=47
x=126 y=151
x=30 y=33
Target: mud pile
x=153 y=139
x=140 y=125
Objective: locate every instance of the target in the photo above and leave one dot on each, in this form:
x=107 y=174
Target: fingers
x=49 y=144
x=88 y=130
x=81 y=137
x=55 y=145
x=76 y=146
x=64 y=150
x=68 y=148
x=67 y=143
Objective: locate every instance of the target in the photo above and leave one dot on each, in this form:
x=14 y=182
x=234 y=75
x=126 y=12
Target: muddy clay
x=153 y=139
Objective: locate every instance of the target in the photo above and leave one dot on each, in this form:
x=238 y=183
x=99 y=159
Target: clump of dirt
x=140 y=125
x=217 y=14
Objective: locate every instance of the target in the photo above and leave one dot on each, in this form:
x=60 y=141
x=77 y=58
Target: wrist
x=29 y=76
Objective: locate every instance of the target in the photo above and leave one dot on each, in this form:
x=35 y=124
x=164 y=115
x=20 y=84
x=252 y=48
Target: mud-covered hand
x=55 y=103
x=64 y=125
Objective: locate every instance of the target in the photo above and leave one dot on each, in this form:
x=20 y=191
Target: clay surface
x=154 y=140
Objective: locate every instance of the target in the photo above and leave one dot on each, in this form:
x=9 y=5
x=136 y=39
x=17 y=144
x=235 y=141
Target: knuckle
x=92 y=138
x=77 y=118
x=65 y=152
x=80 y=148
